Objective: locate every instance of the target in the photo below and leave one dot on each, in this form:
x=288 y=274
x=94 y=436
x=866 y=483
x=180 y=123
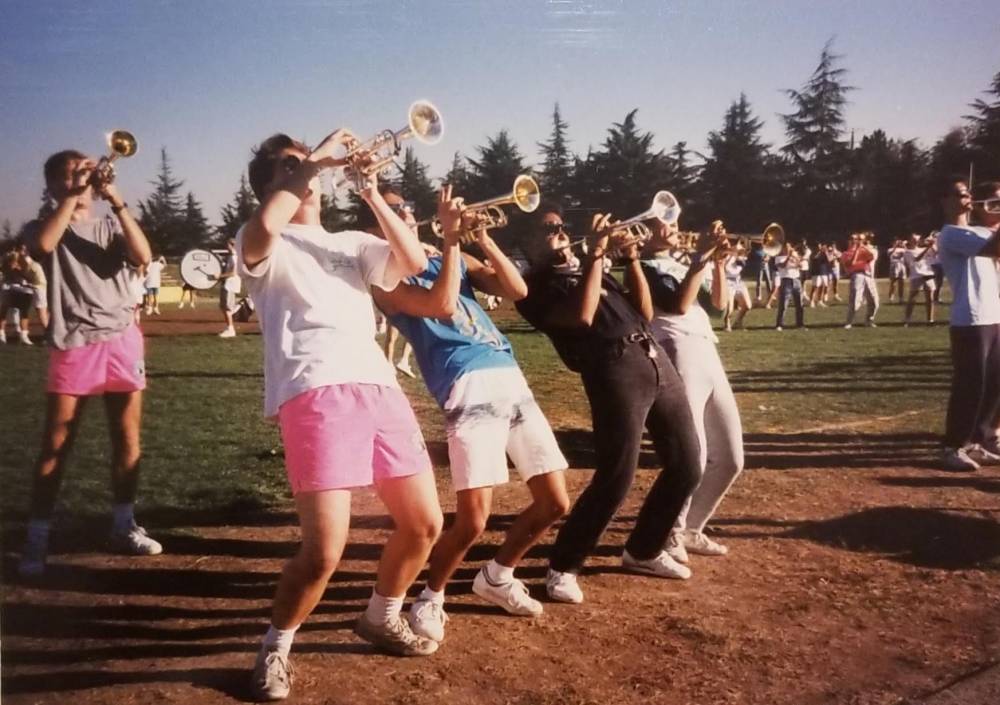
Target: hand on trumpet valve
x=624 y=244
x=333 y=151
x=600 y=230
x=450 y=213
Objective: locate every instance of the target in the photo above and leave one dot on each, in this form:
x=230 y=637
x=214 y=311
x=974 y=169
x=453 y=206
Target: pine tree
x=458 y=175
x=555 y=178
x=162 y=213
x=735 y=180
x=194 y=230
x=238 y=211
x=48 y=205
x=415 y=186
x=626 y=172
x=494 y=172
x=985 y=132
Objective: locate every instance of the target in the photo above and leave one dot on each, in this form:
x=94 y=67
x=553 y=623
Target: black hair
x=55 y=166
x=265 y=160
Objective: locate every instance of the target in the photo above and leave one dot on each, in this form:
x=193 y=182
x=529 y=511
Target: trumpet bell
x=425 y=122
x=526 y=195
x=666 y=208
x=122 y=143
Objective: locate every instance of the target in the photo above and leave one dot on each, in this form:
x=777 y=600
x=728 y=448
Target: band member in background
x=969 y=255
x=599 y=328
x=96 y=348
x=821 y=276
x=229 y=288
x=897 y=268
x=763 y=275
x=739 y=296
x=834 y=255
x=18 y=295
x=152 y=281
x=682 y=327
x=489 y=410
x=920 y=258
x=859 y=265
x=344 y=421
x=789 y=262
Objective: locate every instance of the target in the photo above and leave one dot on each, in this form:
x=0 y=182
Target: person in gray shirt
x=95 y=347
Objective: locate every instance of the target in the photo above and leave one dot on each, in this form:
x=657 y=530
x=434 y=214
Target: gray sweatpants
x=717 y=423
x=862 y=286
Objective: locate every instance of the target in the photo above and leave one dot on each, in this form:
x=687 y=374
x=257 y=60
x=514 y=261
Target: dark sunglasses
x=289 y=163
x=553 y=228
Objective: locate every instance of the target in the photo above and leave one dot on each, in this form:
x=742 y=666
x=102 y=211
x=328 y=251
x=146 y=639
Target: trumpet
x=121 y=143
x=525 y=194
x=664 y=208
x=772 y=239
x=373 y=156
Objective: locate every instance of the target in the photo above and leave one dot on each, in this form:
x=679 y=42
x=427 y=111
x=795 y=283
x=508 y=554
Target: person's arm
x=720 y=286
x=407 y=257
x=137 y=249
x=52 y=228
x=577 y=310
x=501 y=277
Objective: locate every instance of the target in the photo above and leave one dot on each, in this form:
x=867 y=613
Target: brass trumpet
x=525 y=194
x=664 y=208
x=121 y=143
x=424 y=124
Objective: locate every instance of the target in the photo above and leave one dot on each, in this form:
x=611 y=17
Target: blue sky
x=209 y=79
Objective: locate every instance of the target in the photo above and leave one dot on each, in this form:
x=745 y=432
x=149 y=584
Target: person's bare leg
x=550 y=502
x=412 y=502
x=929 y=303
x=389 y=344
x=471 y=512
x=62 y=420
x=124 y=412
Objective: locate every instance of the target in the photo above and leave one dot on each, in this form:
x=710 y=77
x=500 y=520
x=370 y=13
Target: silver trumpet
x=525 y=194
x=373 y=156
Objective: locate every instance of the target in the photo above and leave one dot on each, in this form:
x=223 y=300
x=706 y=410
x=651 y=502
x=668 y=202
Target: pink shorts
x=350 y=435
x=115 y=365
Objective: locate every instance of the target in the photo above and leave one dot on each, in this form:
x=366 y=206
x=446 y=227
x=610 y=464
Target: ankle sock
x=429 y=595
x=279 y=640
x=382 y=610
x=499 y=574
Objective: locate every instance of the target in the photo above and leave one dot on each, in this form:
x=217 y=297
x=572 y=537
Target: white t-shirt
x=787 y=269
x=153 y=272
x=233 y=283
x=870 y=267
x=973 y=279
x=315 y=310
x=678 y=326
x=920 y=268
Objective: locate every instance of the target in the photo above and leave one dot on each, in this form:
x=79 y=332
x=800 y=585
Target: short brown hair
x=55 y=165
x=265 y=159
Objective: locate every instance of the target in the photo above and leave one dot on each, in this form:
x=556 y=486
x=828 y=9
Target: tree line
x=822 y=183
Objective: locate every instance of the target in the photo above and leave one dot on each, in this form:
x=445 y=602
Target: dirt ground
x=858 y=575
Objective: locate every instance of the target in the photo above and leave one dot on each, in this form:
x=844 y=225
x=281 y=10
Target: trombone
x=525 y=194
x=423 y=124
x=121 y=143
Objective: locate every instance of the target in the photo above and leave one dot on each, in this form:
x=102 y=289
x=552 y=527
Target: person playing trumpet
x=789 y=262
x=490 y=413
x=682 y=326
x=599 y=327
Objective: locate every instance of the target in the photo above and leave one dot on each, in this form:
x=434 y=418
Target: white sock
x=279 y=640
x=499 y=574
x=429 y=595
x=381 y=609
x=38 y=533
x=122 y=517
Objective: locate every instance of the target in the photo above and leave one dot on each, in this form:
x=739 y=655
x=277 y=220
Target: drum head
x=200 y=269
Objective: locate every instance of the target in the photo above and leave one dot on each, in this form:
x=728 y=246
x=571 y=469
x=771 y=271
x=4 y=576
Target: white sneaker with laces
x=662 y=566
x=562 y=587
x=395 y=637
x=135 y=542
x=228 y=333
x=512 y=596
x=427 y=619
x=675 y=547
x=982 y=455
x=957 y=460
x=697 y=542
x=272 y=677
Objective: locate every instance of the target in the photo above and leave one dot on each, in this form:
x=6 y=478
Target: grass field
x=205 y=444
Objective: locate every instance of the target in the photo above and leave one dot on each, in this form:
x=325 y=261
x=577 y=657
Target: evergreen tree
x=162 y=213
x=818 y=156
x=492 y=175
x=736 y=182
x=889 y=187
x=985 y=132
x=194 y=230
x=416 y=187
x=48 y=205
x=557 y=161
x=458 y=175
x=238 y=211
x=331 y=215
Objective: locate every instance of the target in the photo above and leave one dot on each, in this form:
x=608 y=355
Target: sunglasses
x=553 y=228
x=402 y=207
x=990 y=205
x=289 y=163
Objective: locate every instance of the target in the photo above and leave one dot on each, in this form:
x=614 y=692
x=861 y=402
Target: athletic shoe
x=778 y=328
x=272 y=677
x=662 y=566
x=562 y=587
x=156 y=311
x=228 y=333
x=395 y=637
x=135 y=542
x=149 y=311
x=180 y=305
x=25 y=340
x=957 y=460
x=427 y=618
x=871 y=324
x=406 y=370
x=512 y=596
x=675 y=547
x=847 y=326
x=697 y=542
x=992 y=445
x=982 y=455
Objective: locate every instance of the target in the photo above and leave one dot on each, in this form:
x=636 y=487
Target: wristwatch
x=118 y=209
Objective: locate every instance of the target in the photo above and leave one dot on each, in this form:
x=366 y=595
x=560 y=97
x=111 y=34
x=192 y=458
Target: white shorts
x=897 y=270
x=925 y=282
x=489 y=415
x=821 y=280
x=41 y=298
x=737 y=288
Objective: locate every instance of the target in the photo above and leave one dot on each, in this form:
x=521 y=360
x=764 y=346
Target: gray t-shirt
x=88 y=273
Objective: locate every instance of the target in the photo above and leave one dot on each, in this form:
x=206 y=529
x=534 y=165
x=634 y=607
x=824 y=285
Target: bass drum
x=200 y=269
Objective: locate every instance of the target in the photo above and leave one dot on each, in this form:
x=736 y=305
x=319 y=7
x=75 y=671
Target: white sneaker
x=562 y=587
x=847 y=326
x=156 y=311
x=778 y=328
x=675 y=547
x=662 y=566
x=149 y=310
x=228 y=333
x=981 y=455
x=697 y=542
x=406 y=370
x=136 y=542
x=427 y=619
x=25 y=340
x=272 y=677
x=180 y=305
x=395 y=637
x=512 y=596
x=871 y=324
x=957 y=460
